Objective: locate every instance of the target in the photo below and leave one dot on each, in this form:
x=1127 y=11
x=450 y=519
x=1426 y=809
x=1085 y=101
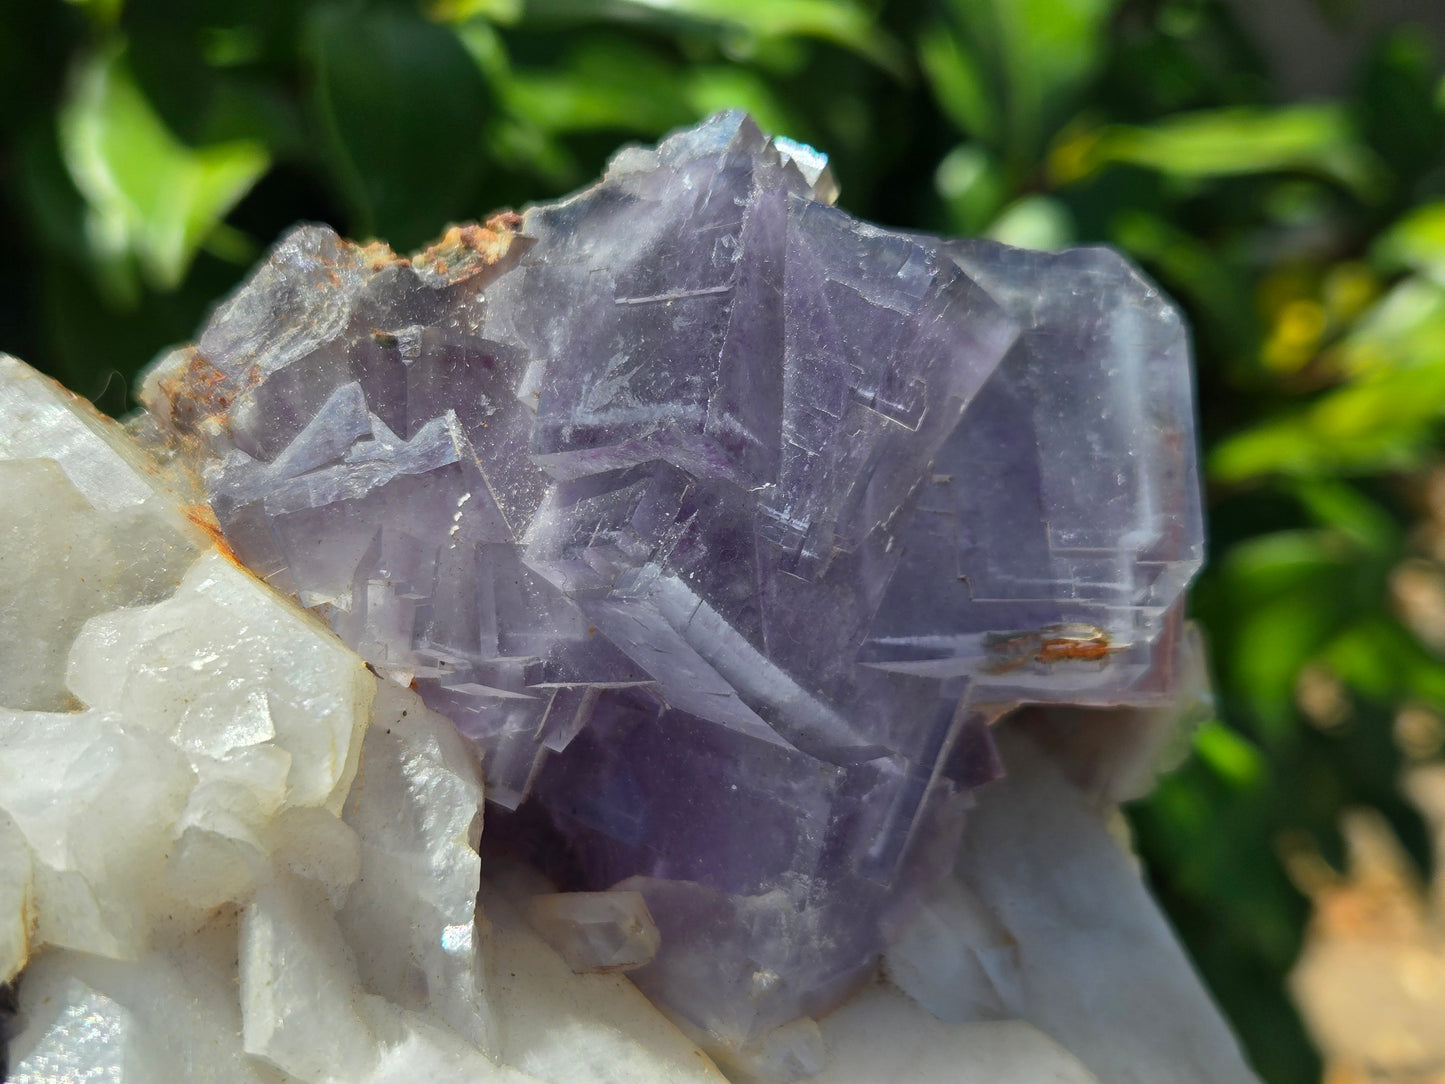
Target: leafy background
x=151 y=149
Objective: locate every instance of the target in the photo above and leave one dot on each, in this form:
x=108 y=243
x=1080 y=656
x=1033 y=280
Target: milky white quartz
x=1057 y=927
x=173 y=1013
x=565 y=1028
x=596 y=931
x=17 y=897
x=883 y=1036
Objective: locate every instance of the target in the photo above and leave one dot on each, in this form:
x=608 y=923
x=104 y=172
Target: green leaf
x=1379 y=658
x=1291 y=592
x=1416 y=242
x=959 y=84
x=1404 y=330
x=104 y=12
x=203 y=101
x=746 y=22
x=484 y=45
x=1038 y=222
x=605 y=83
x=148 y=197
x=505 y=12
x=404 y=107
x=1279 y=564
x=711 y=88
x=1285 y=446
x=1230 y=142
x=1381 y=424
x=1233 y=758
x=1339 y=505
x=971 y=185
x=1008 y=71
x=1298 y=446
x=1395 y=101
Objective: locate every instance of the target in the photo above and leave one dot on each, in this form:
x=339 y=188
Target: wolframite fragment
x=727 y=525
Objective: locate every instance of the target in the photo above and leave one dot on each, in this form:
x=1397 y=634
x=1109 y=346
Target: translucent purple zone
x=725 y=523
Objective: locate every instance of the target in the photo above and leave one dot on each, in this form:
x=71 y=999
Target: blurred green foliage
x=151 y=149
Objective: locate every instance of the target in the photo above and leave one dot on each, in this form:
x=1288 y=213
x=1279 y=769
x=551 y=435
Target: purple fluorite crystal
x=724 y=523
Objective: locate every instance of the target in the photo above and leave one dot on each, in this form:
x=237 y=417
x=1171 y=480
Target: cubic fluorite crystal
x=730 y=529
x=722 y=521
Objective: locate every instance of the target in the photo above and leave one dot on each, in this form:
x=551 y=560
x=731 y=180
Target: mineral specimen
x=714 y=515
x=728 y=527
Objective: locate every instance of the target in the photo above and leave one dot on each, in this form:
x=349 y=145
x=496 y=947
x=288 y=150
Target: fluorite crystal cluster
x=728 y=528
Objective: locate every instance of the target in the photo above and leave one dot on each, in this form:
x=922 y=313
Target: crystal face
x=725 y=523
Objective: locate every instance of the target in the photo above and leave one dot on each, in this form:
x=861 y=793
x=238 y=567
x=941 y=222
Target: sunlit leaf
x=605 y=83
x=1295 y=336
x=505 y=12
x=1267 y=565
x=1293 y=446
x=1232 y=757
x=1317 y=138
x=710 y=88
x=1380 y=424
x=1404 y=330
x=484 y=45
x=842 y=22
x=1374 y=407
x=970 y=182
x=1417 y=242
x=148 y=196
x=1038 y=222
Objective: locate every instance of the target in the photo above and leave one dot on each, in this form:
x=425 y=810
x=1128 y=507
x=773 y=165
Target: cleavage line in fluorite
x=724 y=522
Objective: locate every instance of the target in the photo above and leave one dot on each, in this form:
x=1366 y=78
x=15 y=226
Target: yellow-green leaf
x=1038 y=222
x=505 y=12
x=1228 y=142
x=842 y=22
x=149 y=197
x=1417 y=242
x=1233 y=758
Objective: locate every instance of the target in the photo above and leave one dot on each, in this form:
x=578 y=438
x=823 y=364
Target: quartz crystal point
x=725 y=523
x=596 y=931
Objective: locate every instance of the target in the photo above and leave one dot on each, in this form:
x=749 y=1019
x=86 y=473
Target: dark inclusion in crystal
x=724 y=522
